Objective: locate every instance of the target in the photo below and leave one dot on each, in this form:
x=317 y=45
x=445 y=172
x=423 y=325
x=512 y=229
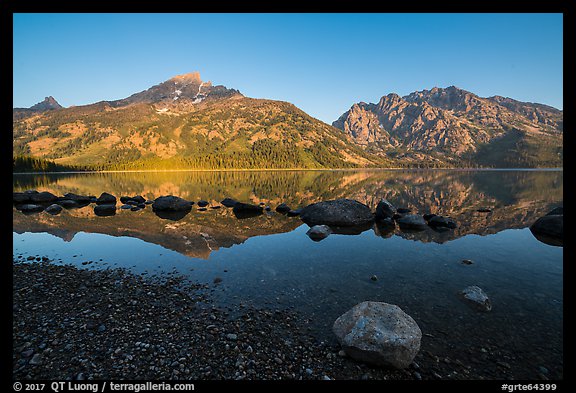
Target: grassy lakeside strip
x=109 y=324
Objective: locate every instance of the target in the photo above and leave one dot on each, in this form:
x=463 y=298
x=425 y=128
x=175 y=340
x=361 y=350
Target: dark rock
x=203 y=203
x=476 y=297
x=131 y=202
x=319 y=232
x=77 y=198
x=378 y=333
x=141 y=205
x=229 y=202
x=217 y=280
x=267 y=208
x=294 y=213
x=403 y=210
x=21 y=197
x=138 y=199
x=202 y=209
x=105 y=210
x=135 y=208
x=36 y=359
x=69 y=204
x=374 y=277
x=148 y=202
x=339 y=212
x=43 y=197
x=484 y=210
x=171 y=203
x=428 y=216
x=125 y=199
x=549 y=229
x=558 y=211
x=126 y=207
x=171 y=215
x=412 y=222
x=466 y=262
x=29 y=208
x=283 y=208
x=441 y=221
x=384 y=210
x=215 y=207
x=246 y=210
x=106 y=199
x=385 y=228
x=53 y=209
x=397 y=216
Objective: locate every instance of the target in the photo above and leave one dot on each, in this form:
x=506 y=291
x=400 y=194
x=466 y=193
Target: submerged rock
x=384 y=209
x=171 y=203
x=203 y=203
x=319 y=232
x=339 y=212
x=476 y=297
x=378 y=333
x=412 y=222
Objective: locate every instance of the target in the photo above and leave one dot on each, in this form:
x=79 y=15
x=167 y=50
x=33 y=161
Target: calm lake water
x=268 y=261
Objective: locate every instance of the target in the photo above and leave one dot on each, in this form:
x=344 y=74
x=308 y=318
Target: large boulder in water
x=43 y=197
x=246 y=210
x=283 y=208
x=171 y=203
x=384 y=209
x=77 y=198
x=105 y=210
x=53 y=209
x=378 y=333
x=441 y=221
x=412 y=222
x=106 y=199
x=339 y=213
x=550 y=228
x=229 y=202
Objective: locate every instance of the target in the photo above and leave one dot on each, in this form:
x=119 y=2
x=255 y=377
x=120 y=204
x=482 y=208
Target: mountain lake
x=268 y=261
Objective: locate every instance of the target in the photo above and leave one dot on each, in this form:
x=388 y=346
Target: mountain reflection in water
x=516 y=199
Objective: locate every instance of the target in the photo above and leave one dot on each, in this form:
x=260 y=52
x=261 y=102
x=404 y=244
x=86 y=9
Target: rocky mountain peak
x=191 y=77
x=49 y=103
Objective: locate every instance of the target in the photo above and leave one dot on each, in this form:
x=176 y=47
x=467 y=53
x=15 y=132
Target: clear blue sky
x=323 y=63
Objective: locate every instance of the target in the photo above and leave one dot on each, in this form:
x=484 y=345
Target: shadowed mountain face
x=516 y=198
x=458 y=126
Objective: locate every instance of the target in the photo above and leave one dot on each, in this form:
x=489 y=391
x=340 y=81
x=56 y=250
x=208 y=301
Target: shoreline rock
x=338 y=213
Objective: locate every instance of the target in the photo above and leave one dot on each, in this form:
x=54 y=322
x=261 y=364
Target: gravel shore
x=72 y=323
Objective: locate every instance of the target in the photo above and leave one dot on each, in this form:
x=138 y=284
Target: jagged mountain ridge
x=453 y=124
x=185 y=122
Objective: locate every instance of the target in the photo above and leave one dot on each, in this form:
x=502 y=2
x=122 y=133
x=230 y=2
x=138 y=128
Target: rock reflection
x=516 y=198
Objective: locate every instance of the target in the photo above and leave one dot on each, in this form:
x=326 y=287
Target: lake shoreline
x=297 y=170
x=72 y=323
